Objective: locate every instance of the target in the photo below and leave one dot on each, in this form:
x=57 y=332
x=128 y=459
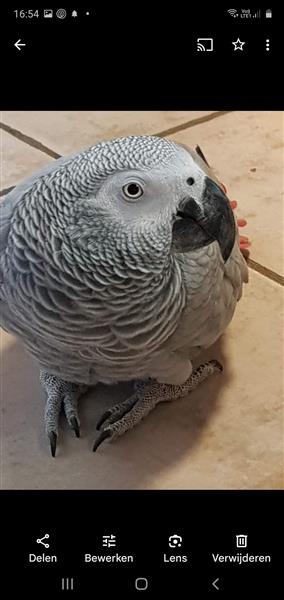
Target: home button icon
x=141 y=583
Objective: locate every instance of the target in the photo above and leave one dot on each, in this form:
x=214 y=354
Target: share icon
x=39 y=540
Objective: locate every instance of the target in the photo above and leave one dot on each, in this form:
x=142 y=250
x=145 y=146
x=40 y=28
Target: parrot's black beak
x=218 y=218
x=198 y=225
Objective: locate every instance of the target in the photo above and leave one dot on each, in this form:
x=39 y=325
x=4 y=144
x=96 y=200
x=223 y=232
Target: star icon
x=238 y=45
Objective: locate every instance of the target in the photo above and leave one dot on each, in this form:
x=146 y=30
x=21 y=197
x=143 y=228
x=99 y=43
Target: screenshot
x=141 y=301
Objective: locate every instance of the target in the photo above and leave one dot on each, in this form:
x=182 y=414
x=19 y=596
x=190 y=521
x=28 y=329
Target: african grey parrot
x=119 y=263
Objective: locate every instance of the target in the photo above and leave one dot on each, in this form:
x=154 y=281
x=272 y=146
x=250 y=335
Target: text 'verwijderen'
x=240 y=558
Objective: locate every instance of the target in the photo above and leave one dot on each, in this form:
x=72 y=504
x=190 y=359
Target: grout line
x=42 y=148
x=29 y=140
x=35 y=144
x=268 y=273
x=193 y=122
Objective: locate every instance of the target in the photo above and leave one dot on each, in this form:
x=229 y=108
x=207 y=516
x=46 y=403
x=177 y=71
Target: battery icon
x=268 y=13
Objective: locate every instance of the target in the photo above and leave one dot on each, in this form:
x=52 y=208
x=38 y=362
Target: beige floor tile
x=246 y=150
x=228 y=434
x=18 y=160
x=68 y=131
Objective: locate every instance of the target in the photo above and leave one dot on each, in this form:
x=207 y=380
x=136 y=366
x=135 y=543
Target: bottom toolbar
x=123 y=543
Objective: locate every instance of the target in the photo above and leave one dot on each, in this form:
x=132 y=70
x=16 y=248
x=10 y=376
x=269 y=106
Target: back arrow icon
x=215 y=582
x=18 y=44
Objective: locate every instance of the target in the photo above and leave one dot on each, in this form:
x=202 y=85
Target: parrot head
x=148 y=196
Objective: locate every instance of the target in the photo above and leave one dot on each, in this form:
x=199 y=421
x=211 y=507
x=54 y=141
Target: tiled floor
x=228 y=434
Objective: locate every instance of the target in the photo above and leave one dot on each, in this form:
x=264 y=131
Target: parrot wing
x=10 y=201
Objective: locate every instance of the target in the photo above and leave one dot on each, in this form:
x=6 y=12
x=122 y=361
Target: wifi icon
x=200 y=47
x=233 y=12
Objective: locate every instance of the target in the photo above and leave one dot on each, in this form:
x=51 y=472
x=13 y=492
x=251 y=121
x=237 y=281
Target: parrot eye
x=190 y=181
x=132 y=190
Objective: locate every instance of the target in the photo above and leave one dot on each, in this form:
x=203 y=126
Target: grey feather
x=89 y=281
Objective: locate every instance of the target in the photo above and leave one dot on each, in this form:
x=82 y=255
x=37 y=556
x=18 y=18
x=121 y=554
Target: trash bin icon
x=241 y=541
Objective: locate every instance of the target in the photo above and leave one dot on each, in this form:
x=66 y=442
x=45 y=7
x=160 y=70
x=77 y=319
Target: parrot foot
x=60 y=394
x=148 y=393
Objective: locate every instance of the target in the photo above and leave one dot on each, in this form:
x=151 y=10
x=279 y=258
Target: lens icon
x=61 y=13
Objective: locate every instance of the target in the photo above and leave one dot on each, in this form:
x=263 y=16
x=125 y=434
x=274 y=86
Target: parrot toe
x=75 y=426
x=60 y=395
x=118 y=411
x=105 y=416
x=124 y=416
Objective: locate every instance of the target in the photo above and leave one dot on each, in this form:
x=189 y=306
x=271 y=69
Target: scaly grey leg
x=121 y=417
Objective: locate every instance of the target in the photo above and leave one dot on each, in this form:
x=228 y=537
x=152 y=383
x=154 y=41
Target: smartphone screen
x=141 y=276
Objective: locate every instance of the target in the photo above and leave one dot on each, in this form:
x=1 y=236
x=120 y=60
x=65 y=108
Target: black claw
x=53 y=442
x=103 y=418
x=75 y=426
x=100 y=439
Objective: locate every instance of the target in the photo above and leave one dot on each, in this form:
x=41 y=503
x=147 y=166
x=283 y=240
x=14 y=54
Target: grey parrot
x=119 y=263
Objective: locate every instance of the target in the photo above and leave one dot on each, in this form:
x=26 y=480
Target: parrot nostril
x=190 y=181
